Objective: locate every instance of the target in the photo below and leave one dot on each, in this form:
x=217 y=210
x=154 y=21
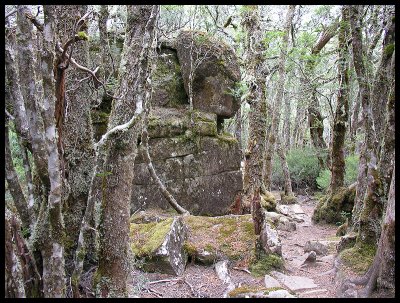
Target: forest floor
x=202 y=281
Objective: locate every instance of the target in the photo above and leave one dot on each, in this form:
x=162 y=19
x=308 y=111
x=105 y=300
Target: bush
x=303 y=167
x=351 y=164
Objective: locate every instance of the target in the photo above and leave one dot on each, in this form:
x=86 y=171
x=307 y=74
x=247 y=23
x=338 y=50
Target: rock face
x=217 y=71
x=161 y=245
x=200 y=167
x=270 y=239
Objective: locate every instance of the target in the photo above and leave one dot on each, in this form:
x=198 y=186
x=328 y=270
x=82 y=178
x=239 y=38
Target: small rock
x=221 y=268
x=312 y=257
x=318 y=247
x=296 y=209
x=270 y=239
x=283 y=209
x=280 y=293
x=346 y=241
x=271 y=282
x=294 y=282
x=286 y=225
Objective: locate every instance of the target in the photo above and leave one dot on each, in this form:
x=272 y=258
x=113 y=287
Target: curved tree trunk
x=112 y=273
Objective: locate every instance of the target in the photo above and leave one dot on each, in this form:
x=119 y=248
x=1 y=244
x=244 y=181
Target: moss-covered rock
x=266 y=263
x=160 y=244
x=168 y=88
x=268 y=201
x=330 y=208
x=216 y=238
x=288 y=199
x=359 y=257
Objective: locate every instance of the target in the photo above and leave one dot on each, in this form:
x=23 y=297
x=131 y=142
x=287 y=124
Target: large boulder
x=167 y=82
x=199 y=167
x=215 y=74
x=160 y=244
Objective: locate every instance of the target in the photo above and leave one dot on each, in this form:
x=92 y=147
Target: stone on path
x=318 y=247
x=296 y=209
x=294 y=283
x=271 y=282
x=221 y=268
x=280 y=293
x=270 y=240
x=312 y=257
x=285 y=224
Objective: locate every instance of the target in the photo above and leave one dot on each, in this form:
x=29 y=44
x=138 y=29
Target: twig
x=158 y=295
x=242 y=269
x=11 y=13
x=191 y=288
x=164 y=281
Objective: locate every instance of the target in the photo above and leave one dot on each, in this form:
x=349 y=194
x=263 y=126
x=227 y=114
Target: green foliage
x=351 y=164
x=303 y=167
x=240 y=89
x=16 y=153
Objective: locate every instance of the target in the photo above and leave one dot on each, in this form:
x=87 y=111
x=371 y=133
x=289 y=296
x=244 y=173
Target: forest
x=199 y=151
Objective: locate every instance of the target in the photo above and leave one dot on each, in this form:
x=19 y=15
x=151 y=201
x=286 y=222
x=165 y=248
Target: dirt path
x=202 y=281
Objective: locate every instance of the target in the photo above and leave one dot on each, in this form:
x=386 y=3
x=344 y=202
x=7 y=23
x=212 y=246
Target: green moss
x=231 y=236
x=83 y=36
x=189 y=248
x=291 y=199
x=389 y=49
x=359 y=258
x=146 y=238
x=265 y=264
x=227 y=138
x=246 y=289
x=268 y=201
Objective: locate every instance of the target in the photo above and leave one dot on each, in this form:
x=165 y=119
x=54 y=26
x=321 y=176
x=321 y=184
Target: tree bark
x=279 y=97
x=27 y=77
x=381 y=274
x=285 y=168
x=342 y=109
x=78 y=146
x=112 y=273
x=252 y=180
x=53 y=252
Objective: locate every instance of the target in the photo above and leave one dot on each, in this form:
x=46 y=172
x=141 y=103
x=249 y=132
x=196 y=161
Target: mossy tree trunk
x=53 y=252
x=342 y=108
x=381 y=274
x=369 y=204
x=285 y=168
x=252 y=183
x=273 y=133
x=112 y=273
x=315 y=120
x=78 y=149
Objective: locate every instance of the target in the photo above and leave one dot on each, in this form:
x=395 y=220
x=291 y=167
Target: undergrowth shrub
x=303 y=168
x=350 y=176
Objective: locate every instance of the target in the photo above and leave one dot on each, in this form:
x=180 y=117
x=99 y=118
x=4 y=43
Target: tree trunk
x=285 y=168
x=53 y=252
x=112 y=273
x=77 y=142
x=315 y=120
x=278 y=101
x=342 y=109
x=368 y=203
x=28 y=77
x=381 y=274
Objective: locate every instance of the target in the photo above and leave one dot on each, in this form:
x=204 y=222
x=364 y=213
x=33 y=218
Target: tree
x=133 y=89
x=342 y=109
x=278 y=100
x=381 y=273
x=256 y=144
